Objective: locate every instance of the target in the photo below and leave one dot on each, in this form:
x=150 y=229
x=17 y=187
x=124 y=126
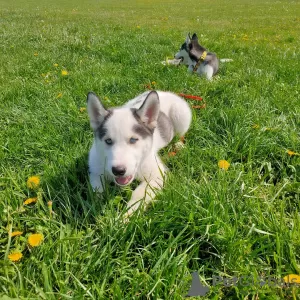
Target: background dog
x=197 y=58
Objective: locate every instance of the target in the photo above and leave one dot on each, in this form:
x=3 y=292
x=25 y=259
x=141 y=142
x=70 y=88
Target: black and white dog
x=197 y=58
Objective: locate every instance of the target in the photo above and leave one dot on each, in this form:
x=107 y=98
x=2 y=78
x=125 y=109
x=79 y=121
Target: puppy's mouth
x=123 y=180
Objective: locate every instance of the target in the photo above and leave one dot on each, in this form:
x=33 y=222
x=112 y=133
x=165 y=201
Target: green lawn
x=241 y=222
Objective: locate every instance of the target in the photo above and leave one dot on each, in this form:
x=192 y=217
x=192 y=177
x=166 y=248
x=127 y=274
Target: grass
x=240 y=222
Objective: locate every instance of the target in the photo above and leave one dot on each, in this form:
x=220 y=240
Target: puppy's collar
x=200 y=61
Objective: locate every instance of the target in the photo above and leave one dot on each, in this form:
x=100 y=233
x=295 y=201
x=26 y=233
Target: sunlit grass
x=238 y=217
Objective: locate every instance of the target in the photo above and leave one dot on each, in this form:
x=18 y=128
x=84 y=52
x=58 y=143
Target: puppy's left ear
x=149 y=110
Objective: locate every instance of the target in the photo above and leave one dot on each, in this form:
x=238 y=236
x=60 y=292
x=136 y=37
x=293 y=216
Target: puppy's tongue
x=123 y=180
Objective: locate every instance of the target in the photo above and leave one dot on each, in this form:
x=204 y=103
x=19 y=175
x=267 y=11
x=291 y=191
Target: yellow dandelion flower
x=64 y=73
x=291 y=153
x=245 y=37
x=292 y=278
x=15 y=256
x=55 y=65
x=59 y=95
x=30 y=200
x=35 y=239
x=153 y=83
x=15 y=233
x=82 y=109
x=35 y=54
x=33 y=182
x=223 y=164
x=138 y=26
x=255 y=126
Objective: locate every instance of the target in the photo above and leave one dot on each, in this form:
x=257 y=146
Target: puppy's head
x=123 y=136
x=195 y=50
x=183 y=52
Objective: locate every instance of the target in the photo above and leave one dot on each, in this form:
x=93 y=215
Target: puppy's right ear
x=96 y=110
x=188 y=39
x=195 y=37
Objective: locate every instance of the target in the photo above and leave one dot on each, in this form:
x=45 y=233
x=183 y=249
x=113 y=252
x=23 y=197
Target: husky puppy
x=197 y=58
x=127 y=139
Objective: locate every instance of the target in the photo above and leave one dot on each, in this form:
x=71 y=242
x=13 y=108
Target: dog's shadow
x=73 y=198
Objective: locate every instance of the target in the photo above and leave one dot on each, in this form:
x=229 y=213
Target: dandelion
x=15 y=256
x=35 y=54
x=33 y=182
x=245 y=37
x=292 y=278
x=291 y=153
x=255 y=126
x=55 y=65
x=59 y=95
x=15 y=233
x=138 y=26
x=153 y=83
x=35 y=239
x=223 y=164
x=30 y=200
x=82 y=109
x=105 y=98
x=64 y=73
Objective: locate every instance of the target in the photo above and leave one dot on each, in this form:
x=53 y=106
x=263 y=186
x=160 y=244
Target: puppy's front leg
x=142 y=195
x=96 y=183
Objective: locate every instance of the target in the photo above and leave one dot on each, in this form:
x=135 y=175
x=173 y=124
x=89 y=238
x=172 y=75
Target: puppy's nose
x=119 y=170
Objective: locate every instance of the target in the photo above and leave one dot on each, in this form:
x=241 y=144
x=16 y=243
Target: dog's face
x=123 y=136
x=183 y=53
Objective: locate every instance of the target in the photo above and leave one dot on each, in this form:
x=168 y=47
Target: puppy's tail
x=225 y=60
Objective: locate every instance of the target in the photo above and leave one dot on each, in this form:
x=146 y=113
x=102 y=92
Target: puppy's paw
x=126 y=217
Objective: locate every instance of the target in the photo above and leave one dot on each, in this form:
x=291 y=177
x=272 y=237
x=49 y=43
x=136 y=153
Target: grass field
x=241 y=222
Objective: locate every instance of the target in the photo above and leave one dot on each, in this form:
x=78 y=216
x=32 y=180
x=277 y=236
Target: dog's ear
x=96 y=110
x=149 y=110
x=188 y=39
x=195 y=37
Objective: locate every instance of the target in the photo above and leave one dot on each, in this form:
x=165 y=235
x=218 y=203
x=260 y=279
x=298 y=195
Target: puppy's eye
x=133 y=140
x=108 y=141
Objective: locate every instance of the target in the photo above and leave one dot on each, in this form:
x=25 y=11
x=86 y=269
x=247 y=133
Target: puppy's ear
x=149 y=110
x=195 y=37
x=188 y=39
x=96 y=110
